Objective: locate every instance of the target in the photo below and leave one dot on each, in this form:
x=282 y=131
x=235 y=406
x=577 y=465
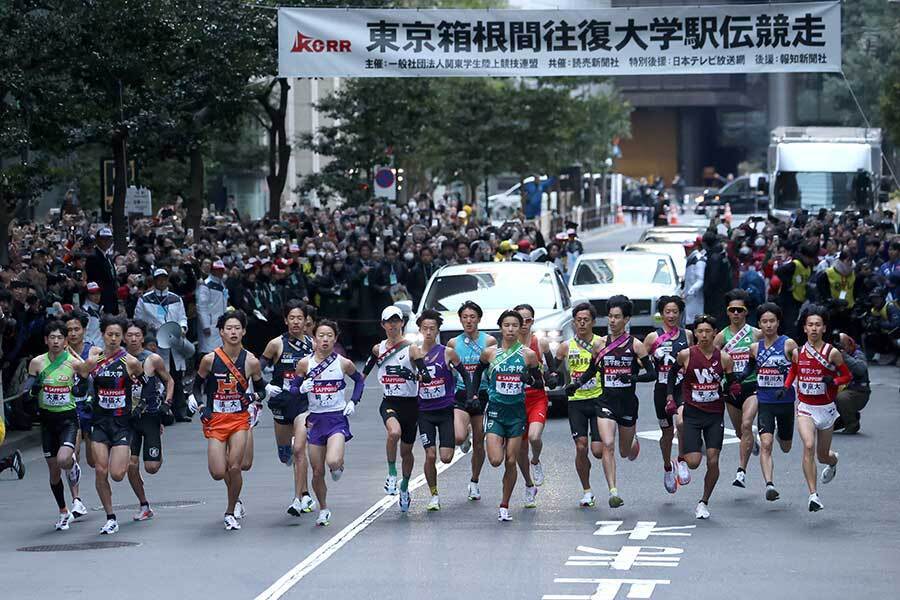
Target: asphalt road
x=650 y=548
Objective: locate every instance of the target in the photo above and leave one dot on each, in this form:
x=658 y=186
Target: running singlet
x=739 y=349
x=702 y=379
x=151 y=392
x=56 y=390
x=284 y=369
x=665 y=354
x=469 y=352
x=578 y=360
x=440 y=391
x=112 y=386
x=812 y=366
x=396 y=373
x=619 y=362
x=505 y=376
x=772 y=368
x=224 y=393
x=328 y=393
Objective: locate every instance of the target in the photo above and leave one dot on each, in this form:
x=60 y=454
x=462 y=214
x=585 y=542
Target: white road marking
x=323 y=552
x=655 y=434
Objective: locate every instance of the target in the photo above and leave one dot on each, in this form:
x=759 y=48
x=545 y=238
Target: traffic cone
x=727 y=217
x=620 y=216
x=673 y=215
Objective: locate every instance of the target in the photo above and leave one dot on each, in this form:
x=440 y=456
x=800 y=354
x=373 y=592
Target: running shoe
x=239 y=512
x=474 y=492
x=390 y=485
x=143 y=514
x=701 y=512
x=531 y=497
x=434 y=504
x=537 y=473
x=231 y=523
x=111 y=527
x=336 y=474
x=253 y=414
x=830 y=471
x=324 y=518
x=62 y=523
x=684 y=473
x=296 y=508
x=18 y=464
x=74 y=474
x=467 y=443
x=503 y=515
x=755 y=444
x=306 y=503
x=740 y=478
x=404 y=501
x=815 y=505
x=587 y=500
x=78 y=508
x=635 y=449
x=771 y=493
x=615 y=501
x=669 y=481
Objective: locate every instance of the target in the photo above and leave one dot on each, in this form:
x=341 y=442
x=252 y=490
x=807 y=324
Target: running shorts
x=58 y=430
x=780 y=414
x=659 y=403
x=221 y=426
x=701 y=427
x=823 y=416
x=437 y=424
x=85 y=414
x=287 y=407
x=535 y=406
x=621 y=407
x=473 y=409
x=748 y=388
x=321 y=426
x=506 y=420
x=111 y=431
x=145 y=433
x=406 y=410
x=583 y=419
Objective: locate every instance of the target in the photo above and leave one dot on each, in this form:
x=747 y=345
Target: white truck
x=835 y=168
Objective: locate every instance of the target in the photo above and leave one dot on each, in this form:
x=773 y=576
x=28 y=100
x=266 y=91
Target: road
x=650 y=548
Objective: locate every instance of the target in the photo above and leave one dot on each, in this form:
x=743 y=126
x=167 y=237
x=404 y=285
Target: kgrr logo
x=305 y=43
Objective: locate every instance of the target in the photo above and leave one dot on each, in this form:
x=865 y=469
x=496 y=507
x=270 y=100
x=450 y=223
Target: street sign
x=137 y=201
x=385 y=183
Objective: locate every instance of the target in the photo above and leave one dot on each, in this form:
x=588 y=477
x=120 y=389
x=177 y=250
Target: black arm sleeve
x=476 y=381
x=649 y=370
x=263 y=363
x=589 y=374
x=424 y=373
x=748 y=370
x=552 y=363
x=533 y=377
x=370 y=364
x=199 y=382
x=673 y=379
x=463 y=374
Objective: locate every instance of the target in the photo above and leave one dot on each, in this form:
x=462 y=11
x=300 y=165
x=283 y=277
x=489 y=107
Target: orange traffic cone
x=727 y=217
x=620 y=216
x=673 y=215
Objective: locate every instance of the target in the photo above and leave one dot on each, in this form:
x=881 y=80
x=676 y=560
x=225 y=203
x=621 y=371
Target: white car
x=642 y=276
x=675 y=251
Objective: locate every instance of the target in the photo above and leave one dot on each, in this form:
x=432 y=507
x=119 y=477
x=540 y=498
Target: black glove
x=552 y=380
x=625 y=378
x=571 y=389
x=828 y=380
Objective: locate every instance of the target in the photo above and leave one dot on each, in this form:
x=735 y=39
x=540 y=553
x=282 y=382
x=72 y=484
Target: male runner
x=51 y=377
x=436 y=399
x=664 y=344
x=510 y=366
x=818 y=368
x=619 y=360
x=468 y=411
x=770 y=358
x=290 y=410
x=321 y=376
x=224 y=378
x=76 y=323
x=736 y=340
x=395 y=358
x=704 y=366
x=582 y=406
x=113 y=371
x=151 y=397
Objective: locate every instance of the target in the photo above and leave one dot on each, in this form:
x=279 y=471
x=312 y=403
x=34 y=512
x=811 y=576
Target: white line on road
x=323 y=552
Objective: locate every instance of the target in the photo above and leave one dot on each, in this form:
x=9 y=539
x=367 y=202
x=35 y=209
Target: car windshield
x=636 y=268
x=812 y=191
x=492 y=289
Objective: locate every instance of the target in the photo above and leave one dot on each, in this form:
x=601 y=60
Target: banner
x=670 y=40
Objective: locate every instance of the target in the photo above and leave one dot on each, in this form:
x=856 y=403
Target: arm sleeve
x=748 y=370
x=533 y=377
x=296 y=382
x=199 y=382
x=649 y=370
x=792 y=374
x=359 y=384
x=673 y=379
x=33 y=385
x=552 y=363
x=463 y=374
x=370 y=364
x=424 y=373
x=476 y=380
x=592 y=371
x=844 y=377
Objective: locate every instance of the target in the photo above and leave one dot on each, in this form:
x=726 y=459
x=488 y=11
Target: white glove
x=349 y=409
x=192 y=404
x=253 y=409
x=272 y=390
x=307 y=386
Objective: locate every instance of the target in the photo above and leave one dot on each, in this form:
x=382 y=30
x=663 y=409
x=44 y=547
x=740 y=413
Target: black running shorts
x=780 y=415
x=583 y=419
x=701 y=427
x=145 y=433
x=406 y=410
x=474 y=409
x=621 y=407
x=58 y=430
x=437 y=424
x=111 y=431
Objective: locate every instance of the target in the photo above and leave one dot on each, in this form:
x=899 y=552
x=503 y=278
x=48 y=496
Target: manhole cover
x=76 y=547
x=155 y=505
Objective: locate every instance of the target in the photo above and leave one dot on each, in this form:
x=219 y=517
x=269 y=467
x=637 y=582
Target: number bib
x=227 y=406
x=587 y=387
x=811 y=388
x=509 y=384
x=611 y=376
x=740 y=358
x=704 y=393
x=434 y=389
x=111 y=399
x=326 y=393
x=56 y=396
x=770 y=377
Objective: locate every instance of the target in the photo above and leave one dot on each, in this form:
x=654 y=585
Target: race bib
x=111 y=399
x=706 y=393
x=433 y=390
x=227 y=406
x=611 y=376
x=812 y=388
x=509 y=384
x=770 y=377
x=56 y=396
x=587 y=387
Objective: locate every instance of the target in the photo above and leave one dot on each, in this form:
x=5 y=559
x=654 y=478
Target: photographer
x=881 y=326
x=852 y=398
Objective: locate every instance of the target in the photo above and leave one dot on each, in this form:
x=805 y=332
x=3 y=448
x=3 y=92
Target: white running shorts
x=823 y=416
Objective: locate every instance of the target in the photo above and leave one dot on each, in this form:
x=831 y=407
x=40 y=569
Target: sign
x=108 y=179
x=757 y=38
x=137 y=201
x=385 y=183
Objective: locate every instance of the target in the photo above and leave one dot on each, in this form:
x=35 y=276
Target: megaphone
x=170 y=336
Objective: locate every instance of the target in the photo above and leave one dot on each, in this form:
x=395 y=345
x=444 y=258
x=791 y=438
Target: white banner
x=759 y=38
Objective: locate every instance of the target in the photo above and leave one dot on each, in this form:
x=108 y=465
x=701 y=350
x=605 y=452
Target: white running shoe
x=815 y=504
x=771 y=493
x=239 y=512
x=684 y=473
x=740 y=478
x=390 y=485
x=296 y=508
x=587 y=500
x=78 y=508
x=74 y=474
x=503 y=515
x=830 y=471
x=474 y=491
x=405 y=501
x=111 y=527
x=324 y=518
x=537 y=474
x=62 y=523
x=306 y=504
x=336 y=474
x=701 y=512
x=143 y=514
x=231 y=523
x=467 y=443
x=531 y=497
x=434 y=504
x=669 y=481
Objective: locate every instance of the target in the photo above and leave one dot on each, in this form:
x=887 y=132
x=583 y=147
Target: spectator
x=212 y=300
x=853 y=398
x=101 y=270
x=94 y=312
x=694 y=273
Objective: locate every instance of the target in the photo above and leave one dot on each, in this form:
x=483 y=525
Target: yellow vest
x=841 y=287
x=798 y=283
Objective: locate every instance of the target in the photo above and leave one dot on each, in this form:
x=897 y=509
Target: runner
x=153 y=396
x=664 y=344
x=509 y=367
x=468 y=411
x=224 y=378
x=51 y=377
x=113 y=371
x=13 y=461
x=736 y=340
x=321 y=376
x=76 y=324
x=619 y=360
x=436 y=399
x=290 y=410
x=703 y=412
x=582 y=405
x=770 y=358
x=818 y=369
x=395 y=358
